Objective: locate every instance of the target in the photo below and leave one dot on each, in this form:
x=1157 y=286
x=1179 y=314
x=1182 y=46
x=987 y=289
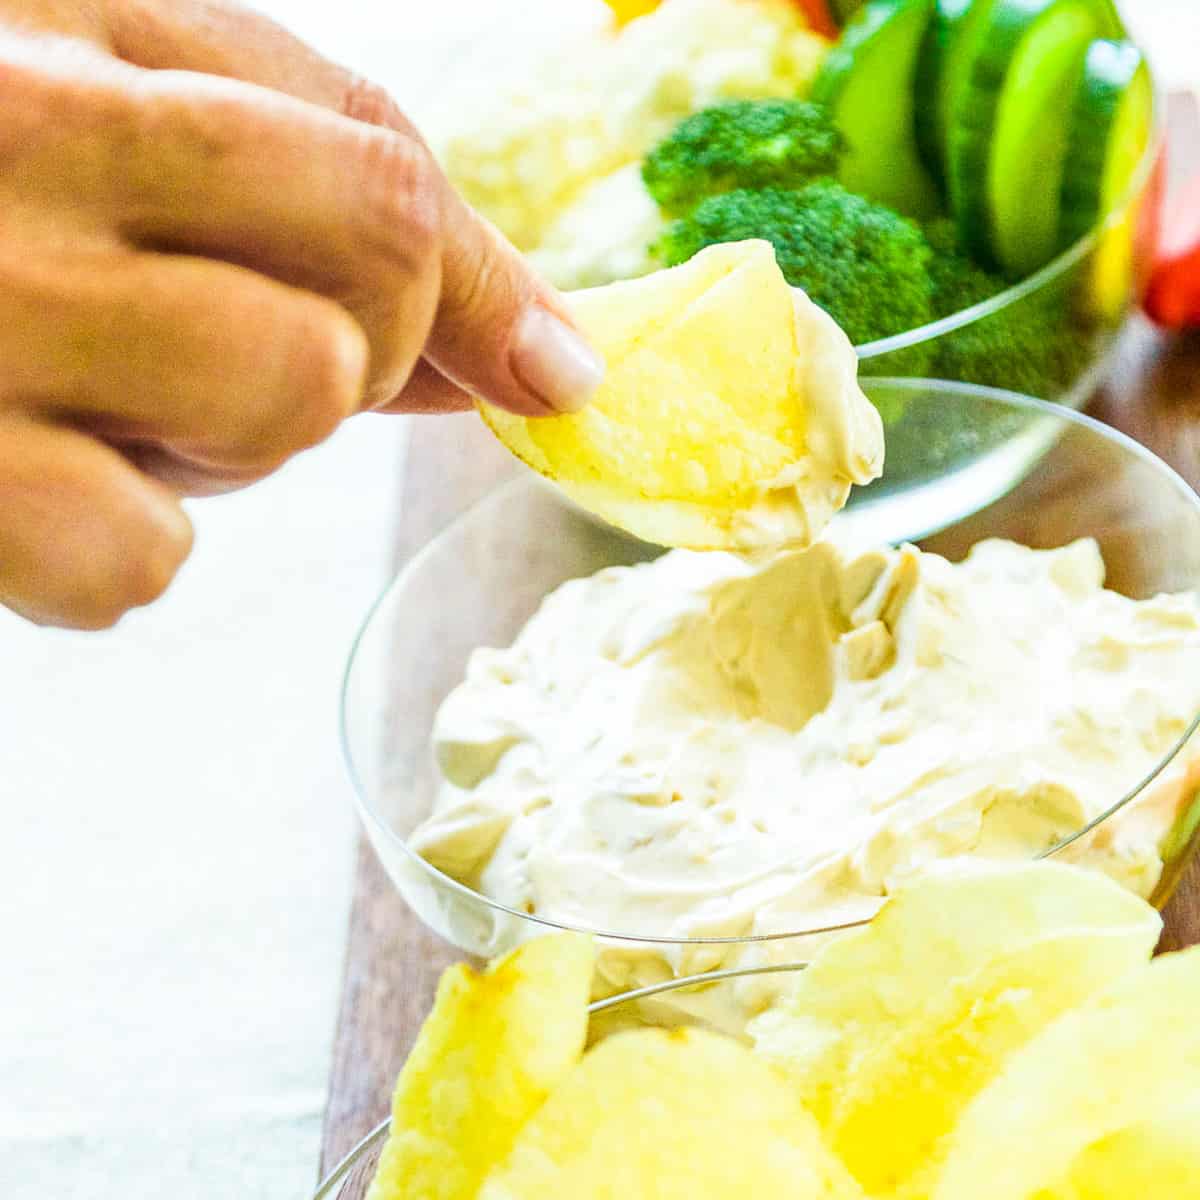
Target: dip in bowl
x=1031 y=474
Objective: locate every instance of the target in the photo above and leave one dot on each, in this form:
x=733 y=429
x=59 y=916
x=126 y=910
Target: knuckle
x=131 y=571
x=28 y=104
x=364 y=100
x=200 y=123
x=400 y=201
x=145 y=568
x=322 y=380
x=485 y=285
x=312 y=361
x=56 y=93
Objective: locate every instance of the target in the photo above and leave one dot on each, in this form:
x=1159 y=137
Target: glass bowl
x=1013 y=467
x=351 y=1177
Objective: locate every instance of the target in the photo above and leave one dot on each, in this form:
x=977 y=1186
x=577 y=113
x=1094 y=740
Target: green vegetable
x=878 y=274
x=951 y=45
x=958 y=282
x=1185 y=829
x=1034 y=345
x=867 y=82
x=933 y=80
x=1107 y=13
x=959 y=34
x=1008 y=134
x=742 y=144
x=1037 y=344
x=866 y=265
x=1112 y=121
x=1033 y=124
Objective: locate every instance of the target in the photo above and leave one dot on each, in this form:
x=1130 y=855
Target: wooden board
x=392 y=962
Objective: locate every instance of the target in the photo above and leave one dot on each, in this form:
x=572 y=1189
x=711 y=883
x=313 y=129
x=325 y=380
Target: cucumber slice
x=1026 y=167
x=1008 y=139
x=1111 y=25
x=958 y=34
x=866 y=82
x=1112 y=122
x=939 y=72
x=1111 y=131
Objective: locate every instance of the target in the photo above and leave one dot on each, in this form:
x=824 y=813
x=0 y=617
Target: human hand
x=216 y=246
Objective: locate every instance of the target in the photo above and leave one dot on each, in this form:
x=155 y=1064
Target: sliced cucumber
x=1111 y=24
x=867 y=82
x=1025 y=171
x=938 y=70
x=959 y=32
x=1111 y=132
x=1008 y=139
x=1112 y=121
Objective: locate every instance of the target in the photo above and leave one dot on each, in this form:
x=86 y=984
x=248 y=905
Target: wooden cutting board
x=393 y=962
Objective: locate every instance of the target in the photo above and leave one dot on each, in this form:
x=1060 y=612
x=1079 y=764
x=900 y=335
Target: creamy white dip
x=702 y=746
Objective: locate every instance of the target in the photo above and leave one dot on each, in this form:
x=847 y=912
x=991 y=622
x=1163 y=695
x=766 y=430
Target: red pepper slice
x=1173 y=295
x=816 y=13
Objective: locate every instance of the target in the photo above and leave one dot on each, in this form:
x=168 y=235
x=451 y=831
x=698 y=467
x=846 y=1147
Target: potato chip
x=893 y=1029
x=1093 y=1091
x=678 y=1115
x=730 y=417
x=1157 y=1158
x=489 y=1053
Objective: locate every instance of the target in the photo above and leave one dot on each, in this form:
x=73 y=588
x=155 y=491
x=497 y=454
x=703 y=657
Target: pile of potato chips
x=997 y=1033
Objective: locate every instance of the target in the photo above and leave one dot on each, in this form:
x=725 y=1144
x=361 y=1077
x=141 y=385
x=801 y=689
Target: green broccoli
x=958 y=282
x=742 y=144
x=1038 y=344
x=866 y=265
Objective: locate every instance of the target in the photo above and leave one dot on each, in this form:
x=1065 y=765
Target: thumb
x=501 y=332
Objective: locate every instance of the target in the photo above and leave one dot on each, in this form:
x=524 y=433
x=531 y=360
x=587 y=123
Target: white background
x=177 y=835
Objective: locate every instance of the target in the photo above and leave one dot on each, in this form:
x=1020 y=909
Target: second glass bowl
x=1009 y=467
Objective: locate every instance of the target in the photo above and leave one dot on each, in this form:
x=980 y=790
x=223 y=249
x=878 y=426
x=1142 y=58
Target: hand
x=214 y=247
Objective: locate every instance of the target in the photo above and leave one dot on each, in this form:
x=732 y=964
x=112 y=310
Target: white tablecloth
x=176 y=848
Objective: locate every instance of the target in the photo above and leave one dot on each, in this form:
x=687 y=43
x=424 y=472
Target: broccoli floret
x=1038 y=344
x=942 y=236
x=742 y=144
x=1035 y=345
x=866 y=265
x=958 y=282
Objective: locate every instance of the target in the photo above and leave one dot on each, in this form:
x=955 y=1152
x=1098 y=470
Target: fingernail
x=554 y=362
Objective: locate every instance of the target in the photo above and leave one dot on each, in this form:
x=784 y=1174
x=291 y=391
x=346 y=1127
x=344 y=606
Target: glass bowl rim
x=373 y=820
x=1058 y=266
x=326 y=1189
